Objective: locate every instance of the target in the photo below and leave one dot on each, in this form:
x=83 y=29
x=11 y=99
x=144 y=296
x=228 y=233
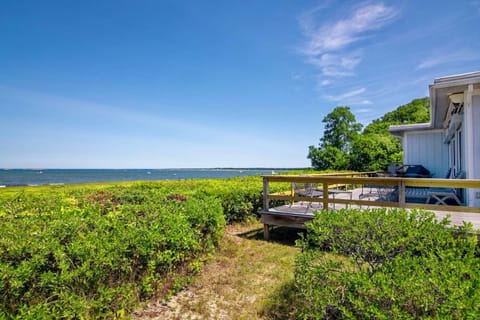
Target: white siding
x=428 y=149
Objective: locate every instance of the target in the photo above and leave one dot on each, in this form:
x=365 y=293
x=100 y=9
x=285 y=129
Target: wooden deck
x=300 y=209
x=300 y=212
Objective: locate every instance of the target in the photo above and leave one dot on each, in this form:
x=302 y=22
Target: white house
x=452 y=138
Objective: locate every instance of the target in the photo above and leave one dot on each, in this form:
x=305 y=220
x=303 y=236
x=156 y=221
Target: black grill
x=413 y=171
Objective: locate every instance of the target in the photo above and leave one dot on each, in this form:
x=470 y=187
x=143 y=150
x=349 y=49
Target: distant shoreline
x=207 y=168
x=43 y=177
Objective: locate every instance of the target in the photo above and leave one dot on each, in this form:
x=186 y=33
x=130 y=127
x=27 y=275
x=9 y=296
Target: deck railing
x=361 y=179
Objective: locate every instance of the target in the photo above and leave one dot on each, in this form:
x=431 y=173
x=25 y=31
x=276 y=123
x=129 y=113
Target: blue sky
x=163 y=84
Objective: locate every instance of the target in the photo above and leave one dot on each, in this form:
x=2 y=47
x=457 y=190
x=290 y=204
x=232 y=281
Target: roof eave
x=457 y=80
x=439 y=83
x=399 y=130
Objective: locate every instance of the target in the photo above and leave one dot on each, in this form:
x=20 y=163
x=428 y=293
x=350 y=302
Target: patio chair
x=442 y=195
x=376 y=192
x=308 y=190
x=434 y=195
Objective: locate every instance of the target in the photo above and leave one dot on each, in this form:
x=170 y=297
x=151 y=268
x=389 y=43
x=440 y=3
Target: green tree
x=327 y=158
x=376 y=148
x=377 y=126
x=416 y=111
x=343 y=147
x=374 y=152
x=341 y=128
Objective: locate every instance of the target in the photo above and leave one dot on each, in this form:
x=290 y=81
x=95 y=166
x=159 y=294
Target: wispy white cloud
x=326 y=42
x=336 y=65
x=325 y=82
x=131 y=138
x=346 y=95
x=337 y=35
x=440 y=58
x=365 y=110
x=431 y=62
x=352 y=98
x=363 y=102
x=296 y=76
x=82 y=110
x=74 y=107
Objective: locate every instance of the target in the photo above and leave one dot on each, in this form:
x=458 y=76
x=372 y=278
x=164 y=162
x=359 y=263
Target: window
x=459 y=150
x=453 y=158
x=455 y=150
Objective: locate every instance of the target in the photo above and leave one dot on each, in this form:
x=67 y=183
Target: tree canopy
x=344 y=147
x=341 y=128
x=416 y=111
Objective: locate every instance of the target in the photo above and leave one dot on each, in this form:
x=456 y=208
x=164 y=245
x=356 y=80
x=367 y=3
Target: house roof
x=399 y=129
x=440 y=91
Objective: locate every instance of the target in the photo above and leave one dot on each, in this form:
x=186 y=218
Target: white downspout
x=469 y=143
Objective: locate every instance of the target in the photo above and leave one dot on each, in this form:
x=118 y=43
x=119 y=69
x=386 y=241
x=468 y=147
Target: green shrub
x=93 y=251
x=240 y=197
x=94 y=254
x=383 y=264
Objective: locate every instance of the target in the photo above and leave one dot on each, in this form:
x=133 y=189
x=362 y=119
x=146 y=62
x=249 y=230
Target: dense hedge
x=94 y=251
x=240 y=197
x=387 y=264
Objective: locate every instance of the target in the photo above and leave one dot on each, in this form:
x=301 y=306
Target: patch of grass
x=242 y=281
x=281 y=305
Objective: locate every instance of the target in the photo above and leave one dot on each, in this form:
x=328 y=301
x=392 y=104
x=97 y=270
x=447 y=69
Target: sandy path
x=240 y=282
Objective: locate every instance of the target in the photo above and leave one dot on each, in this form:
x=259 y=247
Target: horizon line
x=171 y=168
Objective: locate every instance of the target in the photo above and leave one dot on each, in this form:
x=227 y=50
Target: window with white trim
x=455 y=150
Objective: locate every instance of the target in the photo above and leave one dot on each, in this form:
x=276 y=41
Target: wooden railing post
x=325 y=196
x=292 y=191
x=401 y=193
x=265 y=194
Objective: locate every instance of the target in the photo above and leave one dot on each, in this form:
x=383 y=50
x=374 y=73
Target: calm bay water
x=24 y=177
